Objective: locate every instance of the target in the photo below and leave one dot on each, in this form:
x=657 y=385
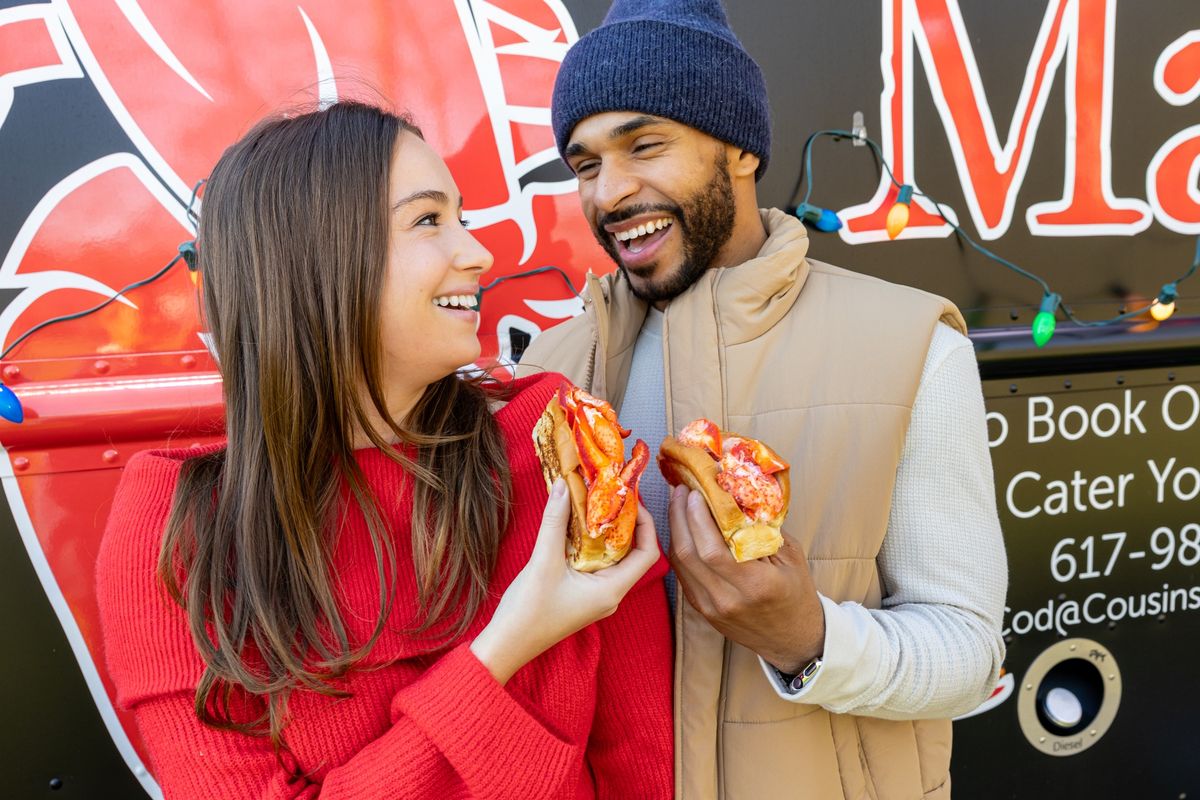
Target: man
x=831 y=669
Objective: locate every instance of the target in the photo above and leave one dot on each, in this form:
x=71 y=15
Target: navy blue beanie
x=676 y=59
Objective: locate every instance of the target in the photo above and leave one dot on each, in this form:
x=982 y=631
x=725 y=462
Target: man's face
x=657 y=195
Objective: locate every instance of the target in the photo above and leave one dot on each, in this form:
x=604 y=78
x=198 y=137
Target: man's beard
x=705 y=223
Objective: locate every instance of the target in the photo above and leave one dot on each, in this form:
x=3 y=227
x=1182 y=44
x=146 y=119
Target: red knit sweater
x=591 y=717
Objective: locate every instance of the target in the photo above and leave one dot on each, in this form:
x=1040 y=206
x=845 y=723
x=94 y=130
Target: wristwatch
x=805 y=676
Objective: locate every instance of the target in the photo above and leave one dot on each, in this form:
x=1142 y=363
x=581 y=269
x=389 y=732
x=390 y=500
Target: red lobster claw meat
x=612 y=484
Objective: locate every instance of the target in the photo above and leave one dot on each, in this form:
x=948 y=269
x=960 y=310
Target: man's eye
x=586 y=166
x=641 y=148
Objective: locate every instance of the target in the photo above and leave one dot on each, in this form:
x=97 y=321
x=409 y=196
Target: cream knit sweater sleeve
x=934 y=649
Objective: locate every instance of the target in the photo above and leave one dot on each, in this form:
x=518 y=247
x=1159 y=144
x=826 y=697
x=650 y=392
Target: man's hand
x=769 y=606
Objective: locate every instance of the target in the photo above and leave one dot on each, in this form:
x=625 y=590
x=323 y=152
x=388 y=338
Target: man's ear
x=742 y=163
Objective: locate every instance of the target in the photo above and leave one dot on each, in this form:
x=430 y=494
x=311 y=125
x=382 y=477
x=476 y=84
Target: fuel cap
x=1062 y=707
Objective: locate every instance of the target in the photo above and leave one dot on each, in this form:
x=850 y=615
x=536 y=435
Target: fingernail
x=559 y=488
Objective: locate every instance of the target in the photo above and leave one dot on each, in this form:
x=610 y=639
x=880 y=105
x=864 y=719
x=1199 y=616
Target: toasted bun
x=693 y=467
x=555 y=447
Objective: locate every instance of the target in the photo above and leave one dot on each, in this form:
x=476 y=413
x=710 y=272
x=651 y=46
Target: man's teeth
x=642 y=230
x=458 y=300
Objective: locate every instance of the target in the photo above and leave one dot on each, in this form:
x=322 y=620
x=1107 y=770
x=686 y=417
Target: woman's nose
x=473 y=256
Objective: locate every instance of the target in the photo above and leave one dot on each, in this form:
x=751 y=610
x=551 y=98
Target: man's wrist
x=798 y=681
x=813 y=647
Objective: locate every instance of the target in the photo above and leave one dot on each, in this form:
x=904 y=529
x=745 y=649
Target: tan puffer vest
x=824 y=365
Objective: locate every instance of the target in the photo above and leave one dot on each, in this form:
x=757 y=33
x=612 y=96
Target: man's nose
x=613 y=186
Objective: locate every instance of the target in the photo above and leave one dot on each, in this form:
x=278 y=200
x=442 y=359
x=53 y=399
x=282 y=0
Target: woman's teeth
x=467 y=301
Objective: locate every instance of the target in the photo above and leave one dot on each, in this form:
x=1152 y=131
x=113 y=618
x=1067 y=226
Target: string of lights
x=823 y=219
x=1044 y=323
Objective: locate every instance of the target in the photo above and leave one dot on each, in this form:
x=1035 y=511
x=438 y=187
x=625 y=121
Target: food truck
x=1051 y=155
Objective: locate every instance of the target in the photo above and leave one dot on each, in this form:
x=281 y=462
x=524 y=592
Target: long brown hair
x=292 y=247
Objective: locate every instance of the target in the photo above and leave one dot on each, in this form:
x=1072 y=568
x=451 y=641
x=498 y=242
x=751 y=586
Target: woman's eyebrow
x=425 y=194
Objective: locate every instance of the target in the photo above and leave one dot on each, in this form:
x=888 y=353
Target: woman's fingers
x=622 y=576
x=551 y=538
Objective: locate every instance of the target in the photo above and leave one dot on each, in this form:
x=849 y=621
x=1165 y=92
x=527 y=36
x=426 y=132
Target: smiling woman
x=365 y=587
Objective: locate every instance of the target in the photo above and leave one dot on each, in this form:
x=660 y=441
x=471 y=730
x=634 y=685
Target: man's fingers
x=683 y=549
x=791 y=552
x=690 y=569
x=709 y=542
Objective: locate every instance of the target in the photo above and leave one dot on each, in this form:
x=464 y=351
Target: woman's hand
x=548 y=600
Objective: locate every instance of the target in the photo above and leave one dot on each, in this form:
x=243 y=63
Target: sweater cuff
x=847 y=669
x=460 y=707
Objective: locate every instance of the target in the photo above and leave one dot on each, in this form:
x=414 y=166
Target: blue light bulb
x=820 y=218
x=10 y=405
x=829 y=221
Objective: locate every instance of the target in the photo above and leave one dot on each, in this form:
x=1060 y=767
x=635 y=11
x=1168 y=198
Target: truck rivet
x=1112 y=677
x=101 y=367
x=56 y=783
x=20 y=462
x=11 y=373
x=1012 y=388
x=1170 y=376
x=1092 y=731
x=110 y=456
x=1042 y=739
x=1074 y=646
x=188 y=361
x=1029 y=687
x=1120 y=380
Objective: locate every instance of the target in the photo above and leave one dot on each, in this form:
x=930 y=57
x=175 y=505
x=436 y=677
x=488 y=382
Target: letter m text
x=1078 y=33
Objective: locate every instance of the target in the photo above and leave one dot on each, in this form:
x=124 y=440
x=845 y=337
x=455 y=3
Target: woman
x=360 y=594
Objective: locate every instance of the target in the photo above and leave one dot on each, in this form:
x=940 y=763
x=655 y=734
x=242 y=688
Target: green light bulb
x=1043 y=328
x=1043 y=323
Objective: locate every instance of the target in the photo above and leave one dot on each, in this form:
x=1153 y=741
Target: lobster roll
x=579 y=439
x=745 y=483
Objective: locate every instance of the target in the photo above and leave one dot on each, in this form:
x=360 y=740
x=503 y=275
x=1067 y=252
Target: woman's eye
x=466 y=223
x=429 y=219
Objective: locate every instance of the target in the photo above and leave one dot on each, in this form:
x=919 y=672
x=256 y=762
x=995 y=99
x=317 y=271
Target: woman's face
x=428 y=314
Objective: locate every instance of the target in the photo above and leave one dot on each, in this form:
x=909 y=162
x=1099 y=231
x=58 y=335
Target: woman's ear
x=742 y=163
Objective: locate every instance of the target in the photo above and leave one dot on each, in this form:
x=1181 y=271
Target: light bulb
x=897 y=218
x=829 y=221
x=1044 y=323
x=10 y=405
x=1162 y=311
x=1164 y=305
x=820 y=218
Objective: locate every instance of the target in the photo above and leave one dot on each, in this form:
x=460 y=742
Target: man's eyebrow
x=425 y=194
x=624 y=129
x=635 y=124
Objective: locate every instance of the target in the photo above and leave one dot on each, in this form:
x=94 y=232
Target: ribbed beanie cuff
x=682 y=73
